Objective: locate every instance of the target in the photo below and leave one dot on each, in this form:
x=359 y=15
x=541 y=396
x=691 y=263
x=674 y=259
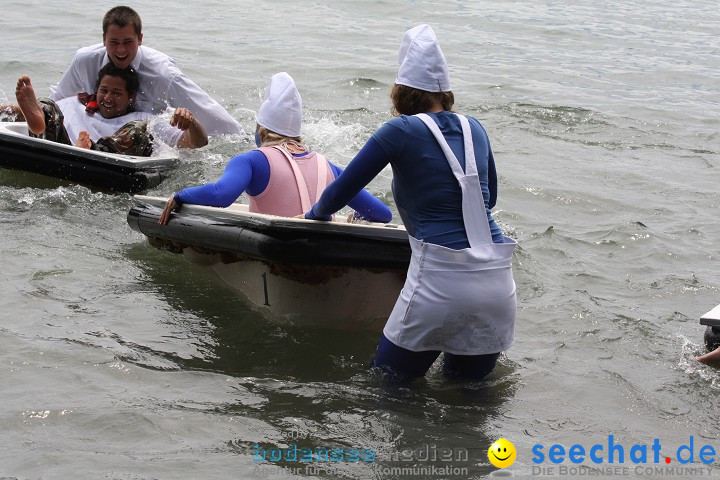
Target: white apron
x=458 y=301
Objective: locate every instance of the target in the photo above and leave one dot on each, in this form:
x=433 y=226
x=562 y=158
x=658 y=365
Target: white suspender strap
x=473 y=204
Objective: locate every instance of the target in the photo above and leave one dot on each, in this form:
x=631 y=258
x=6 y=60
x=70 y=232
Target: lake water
x=120 y=361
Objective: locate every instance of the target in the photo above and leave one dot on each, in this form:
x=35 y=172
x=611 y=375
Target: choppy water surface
x=121 y=361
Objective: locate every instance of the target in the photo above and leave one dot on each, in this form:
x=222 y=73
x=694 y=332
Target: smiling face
x=502 y=453
x=121 y=44
x=112 y=96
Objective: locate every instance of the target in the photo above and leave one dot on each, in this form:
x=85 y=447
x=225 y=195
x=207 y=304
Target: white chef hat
x=422 y=63
x=281 y=112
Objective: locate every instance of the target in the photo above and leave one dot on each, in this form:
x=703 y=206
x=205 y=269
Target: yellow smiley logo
x=502 y=453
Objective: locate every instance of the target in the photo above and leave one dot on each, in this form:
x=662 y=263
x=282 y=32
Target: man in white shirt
x=162 y=82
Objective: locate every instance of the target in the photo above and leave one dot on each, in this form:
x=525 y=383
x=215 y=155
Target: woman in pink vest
x=282 y=177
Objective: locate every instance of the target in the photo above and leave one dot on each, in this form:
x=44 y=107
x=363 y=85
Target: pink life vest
x=295 y=184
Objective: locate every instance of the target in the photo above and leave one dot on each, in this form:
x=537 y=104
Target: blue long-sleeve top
x=250 y=171
x=427 y=194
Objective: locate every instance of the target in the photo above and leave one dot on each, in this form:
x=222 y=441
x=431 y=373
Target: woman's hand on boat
x=169 y=207
x=331 y=218
x=310 y=215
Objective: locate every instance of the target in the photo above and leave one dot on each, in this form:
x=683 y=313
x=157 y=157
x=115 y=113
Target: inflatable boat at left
x=120 y=173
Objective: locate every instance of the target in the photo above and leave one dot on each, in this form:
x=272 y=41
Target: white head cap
x=281 y=112
x=422 y=63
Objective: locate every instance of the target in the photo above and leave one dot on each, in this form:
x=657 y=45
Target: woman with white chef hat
x=459 y=296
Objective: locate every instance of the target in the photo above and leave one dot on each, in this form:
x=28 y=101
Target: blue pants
x=402 y=364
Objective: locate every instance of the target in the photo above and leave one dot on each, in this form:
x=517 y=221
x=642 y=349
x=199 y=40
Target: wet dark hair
x=122 y=16
x=409 y=101
x=132 y=81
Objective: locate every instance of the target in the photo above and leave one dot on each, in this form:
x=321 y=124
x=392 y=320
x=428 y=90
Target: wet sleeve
x=164 y=131
x=237 y=177
x=369 y=161
x=365 y=204
x=183 y=92
x=70 y=83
